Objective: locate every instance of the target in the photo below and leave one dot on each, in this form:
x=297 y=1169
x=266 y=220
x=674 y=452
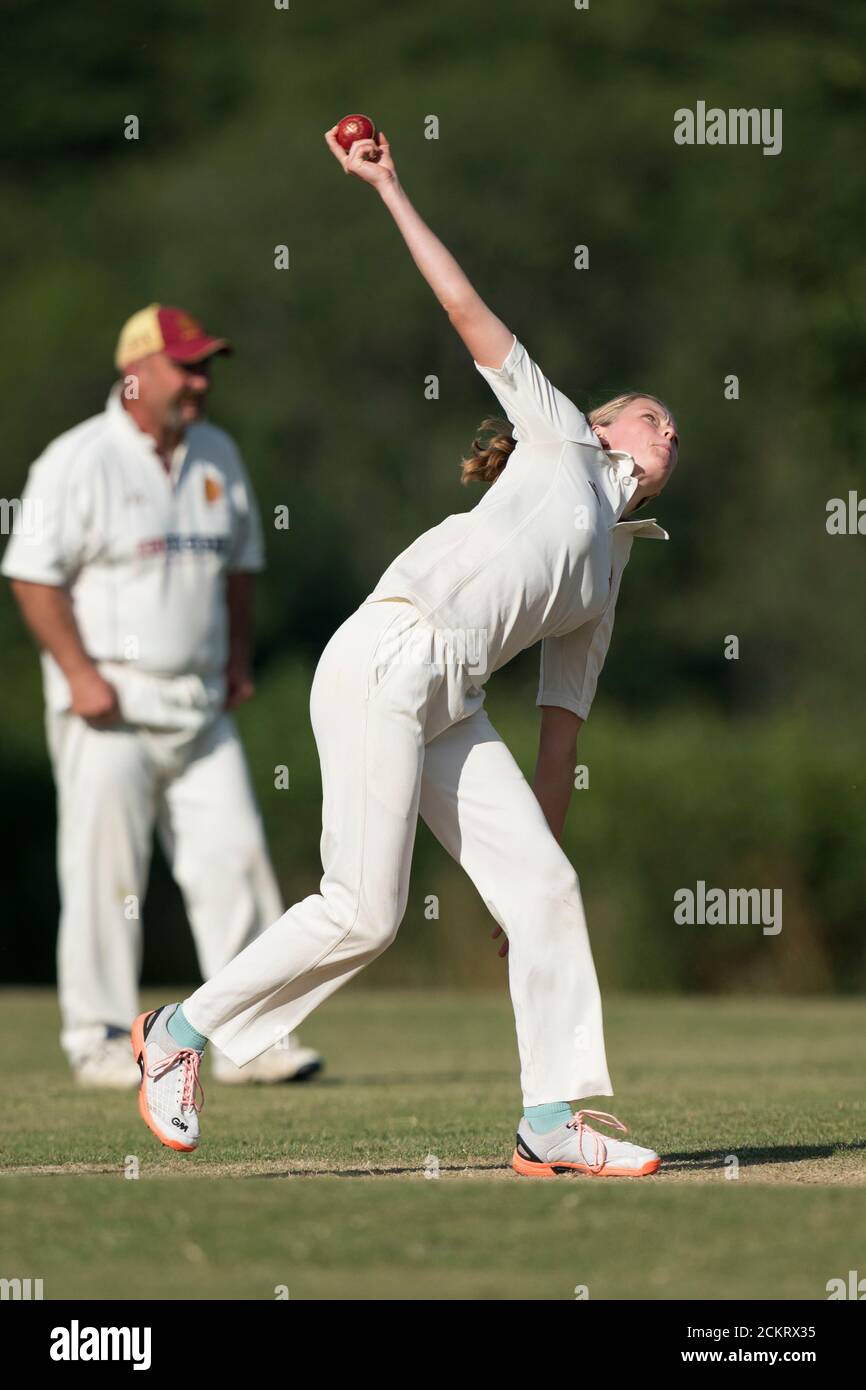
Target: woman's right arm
x=485 y=336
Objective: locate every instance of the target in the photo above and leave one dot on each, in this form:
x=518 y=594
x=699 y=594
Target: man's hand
x=503 y=949
x=47 y=611
x=239 y=686
x=94 y=699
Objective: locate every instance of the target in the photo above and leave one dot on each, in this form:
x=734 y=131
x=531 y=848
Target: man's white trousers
x=114 y=785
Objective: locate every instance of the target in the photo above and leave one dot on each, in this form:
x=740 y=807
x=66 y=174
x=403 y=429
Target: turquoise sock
x=183 y=1032
x=543 y=1118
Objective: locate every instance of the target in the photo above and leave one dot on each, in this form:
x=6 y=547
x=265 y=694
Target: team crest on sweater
x=213 y=487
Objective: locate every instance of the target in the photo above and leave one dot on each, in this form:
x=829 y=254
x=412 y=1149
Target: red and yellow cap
x=161 y=328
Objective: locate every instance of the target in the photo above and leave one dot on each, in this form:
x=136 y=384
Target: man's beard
x=175 y=421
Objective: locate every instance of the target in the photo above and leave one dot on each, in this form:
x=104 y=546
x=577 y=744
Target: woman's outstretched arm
x=486 y=336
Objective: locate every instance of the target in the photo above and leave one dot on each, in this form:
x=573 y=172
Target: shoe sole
x=304 y=1073
x=528 y=1169
x=139 y=1052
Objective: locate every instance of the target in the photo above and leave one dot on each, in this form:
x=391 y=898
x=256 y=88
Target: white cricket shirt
x=144 y=554
x=542 y=554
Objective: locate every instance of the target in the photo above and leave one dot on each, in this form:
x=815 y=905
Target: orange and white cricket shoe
x=577 y=1148
x=169 y=1081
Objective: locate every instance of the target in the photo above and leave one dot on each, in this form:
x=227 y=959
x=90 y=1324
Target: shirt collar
x=616 y=473
x=137 y=439
x=620 y=484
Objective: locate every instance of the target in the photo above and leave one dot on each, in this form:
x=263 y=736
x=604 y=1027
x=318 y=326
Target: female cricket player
x=397 y=712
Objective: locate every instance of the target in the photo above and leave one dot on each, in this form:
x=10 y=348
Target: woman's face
x=646 y=431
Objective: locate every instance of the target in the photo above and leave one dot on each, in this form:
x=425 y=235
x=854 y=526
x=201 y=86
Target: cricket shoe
x=107 y=1066
x=577 y=1148
x=169 y=1081
x=286 y=1060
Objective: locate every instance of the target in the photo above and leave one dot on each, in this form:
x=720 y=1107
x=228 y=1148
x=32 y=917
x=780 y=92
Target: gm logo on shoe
x=180 y=1124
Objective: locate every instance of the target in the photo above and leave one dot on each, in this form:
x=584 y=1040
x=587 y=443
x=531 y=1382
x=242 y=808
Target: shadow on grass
x=758 y=1157
x=703 y=1161
x=442 y=1078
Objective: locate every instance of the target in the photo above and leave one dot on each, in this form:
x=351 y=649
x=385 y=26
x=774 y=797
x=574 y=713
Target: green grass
x=321 y=1187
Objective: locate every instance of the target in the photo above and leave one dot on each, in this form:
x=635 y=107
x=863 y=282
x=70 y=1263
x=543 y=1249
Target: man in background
x=138 y=588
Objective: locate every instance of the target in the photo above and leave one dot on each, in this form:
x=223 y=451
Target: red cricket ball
x=352 y=128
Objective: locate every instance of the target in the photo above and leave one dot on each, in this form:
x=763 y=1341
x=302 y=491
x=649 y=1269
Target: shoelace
x=577 y=1123
x=190 y=1060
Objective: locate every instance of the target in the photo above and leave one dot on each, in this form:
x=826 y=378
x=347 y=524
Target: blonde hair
x=489 y=457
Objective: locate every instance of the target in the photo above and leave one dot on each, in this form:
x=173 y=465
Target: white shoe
x=169 y=1081
x=287 y=1060
x=576 y=1147
x=107 y=1066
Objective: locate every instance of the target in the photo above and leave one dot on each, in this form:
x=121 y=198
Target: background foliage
x=555 y=129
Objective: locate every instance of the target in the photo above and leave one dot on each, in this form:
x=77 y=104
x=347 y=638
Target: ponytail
x=488 y=457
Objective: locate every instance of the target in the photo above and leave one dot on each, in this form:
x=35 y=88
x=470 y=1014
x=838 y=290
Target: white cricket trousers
x=114 y=785
x=394 y=742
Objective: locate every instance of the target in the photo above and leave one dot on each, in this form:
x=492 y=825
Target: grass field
x=321 y=1188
